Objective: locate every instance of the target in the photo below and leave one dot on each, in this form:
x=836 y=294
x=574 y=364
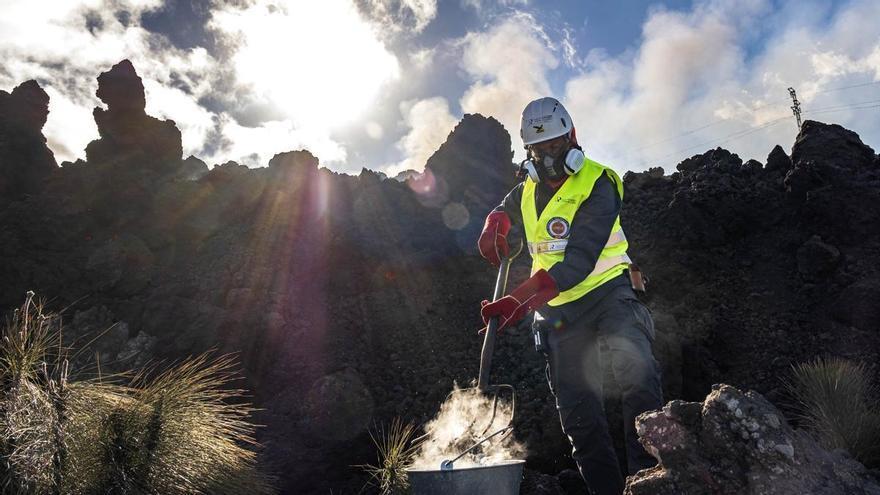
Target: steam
x=463 y=420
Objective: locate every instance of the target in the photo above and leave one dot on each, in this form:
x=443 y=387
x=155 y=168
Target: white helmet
x=543 y=119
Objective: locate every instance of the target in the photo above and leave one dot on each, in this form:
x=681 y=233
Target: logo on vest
x=570 y=201
x=557 y=227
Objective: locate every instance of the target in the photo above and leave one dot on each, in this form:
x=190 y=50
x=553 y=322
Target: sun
x=320 y=63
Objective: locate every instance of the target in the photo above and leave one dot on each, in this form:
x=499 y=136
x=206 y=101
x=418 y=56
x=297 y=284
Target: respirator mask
x=553 y=165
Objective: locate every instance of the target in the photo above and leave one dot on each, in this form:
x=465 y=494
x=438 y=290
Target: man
x=586 y=311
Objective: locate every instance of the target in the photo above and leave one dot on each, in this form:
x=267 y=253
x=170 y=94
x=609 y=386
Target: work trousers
x=617 y=332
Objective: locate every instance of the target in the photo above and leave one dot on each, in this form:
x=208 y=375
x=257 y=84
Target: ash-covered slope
x=352 y=300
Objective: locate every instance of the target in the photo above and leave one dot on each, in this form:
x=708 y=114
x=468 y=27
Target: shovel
x=483 y=385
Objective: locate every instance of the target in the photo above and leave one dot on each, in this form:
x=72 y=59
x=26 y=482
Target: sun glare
x=320 y=62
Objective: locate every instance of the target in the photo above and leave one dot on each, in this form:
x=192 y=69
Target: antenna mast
x=796 y=107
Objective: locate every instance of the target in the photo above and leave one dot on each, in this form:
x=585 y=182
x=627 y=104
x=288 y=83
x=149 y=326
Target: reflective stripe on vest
x=552 y=246
x=547 y=235
x=547 y=246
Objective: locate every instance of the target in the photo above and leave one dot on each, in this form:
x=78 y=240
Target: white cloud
x=396 y=16
x=54 y=46
x=694 y=79
x=714 y=75
x=429 y=122
x=316 y=76
x=374 y=130
x=321 y=62
x=422 y=58
x=64 y=130
x=509 y=64
x=194 y=121
x=691 y=86
x=484 y=6
x=254 y=146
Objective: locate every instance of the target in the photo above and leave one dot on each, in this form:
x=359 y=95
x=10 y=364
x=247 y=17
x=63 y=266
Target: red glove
x=493 y=240
x=529 y=296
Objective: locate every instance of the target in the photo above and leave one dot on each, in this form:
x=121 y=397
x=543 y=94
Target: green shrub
x=835 y=399
x=183 y=431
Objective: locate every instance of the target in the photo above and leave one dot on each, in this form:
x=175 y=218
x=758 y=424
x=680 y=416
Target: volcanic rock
x=25 y=160
x=778 y=160
x=124 y=264
x=751 y=166
x=472 y=171
x=122 y=89
x=832 y=145
x=651 y=177
x=536 y=483
x=859 y=305
x=719 y=159
x=193 y=169
x=475 y=161
x=306 y=273
x=300 y=160
x=738 y=443
x=339 y=406
x=827 y=155
x=715 y=202
x=816 y=259
x=129 y=137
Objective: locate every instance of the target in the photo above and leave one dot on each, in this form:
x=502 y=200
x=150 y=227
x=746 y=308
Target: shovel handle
x=492 y=328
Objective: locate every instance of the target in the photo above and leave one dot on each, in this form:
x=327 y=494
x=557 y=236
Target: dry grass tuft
x=835 y=399
x=184 y=431
x=396 y=452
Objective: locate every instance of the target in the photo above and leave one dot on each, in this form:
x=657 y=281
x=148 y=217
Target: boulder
x=738 y=443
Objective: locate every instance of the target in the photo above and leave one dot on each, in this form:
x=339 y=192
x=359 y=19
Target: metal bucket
x=502 y=478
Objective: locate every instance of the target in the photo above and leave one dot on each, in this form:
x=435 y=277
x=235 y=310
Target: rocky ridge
x=358 y=295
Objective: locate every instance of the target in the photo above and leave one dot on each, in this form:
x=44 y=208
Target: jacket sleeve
x=511 y=205
x=590 y=229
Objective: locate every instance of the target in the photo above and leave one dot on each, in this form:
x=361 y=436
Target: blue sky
x=381 y=83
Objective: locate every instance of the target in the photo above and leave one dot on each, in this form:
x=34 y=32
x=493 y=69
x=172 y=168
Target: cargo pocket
x=642 y=317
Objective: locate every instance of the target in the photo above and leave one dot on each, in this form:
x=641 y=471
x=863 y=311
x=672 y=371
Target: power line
x=687 y=133
x=768 y=124
x=845 y=108
x=729 y=137
x=846 y=105
x=753 y=110
x=847 y=87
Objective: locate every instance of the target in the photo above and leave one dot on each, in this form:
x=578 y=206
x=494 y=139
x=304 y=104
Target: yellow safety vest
x=547 y=235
